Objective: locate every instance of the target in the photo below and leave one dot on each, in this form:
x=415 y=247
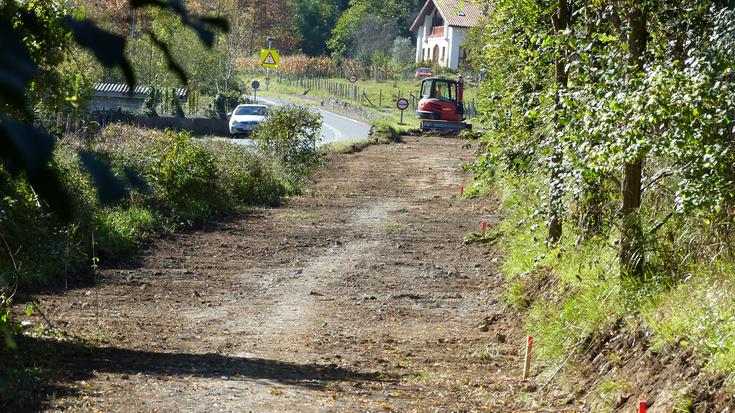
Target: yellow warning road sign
x=269 y=58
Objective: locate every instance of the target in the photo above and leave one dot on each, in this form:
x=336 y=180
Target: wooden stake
x=461 y=190
x=527 y=360
x=484 y=227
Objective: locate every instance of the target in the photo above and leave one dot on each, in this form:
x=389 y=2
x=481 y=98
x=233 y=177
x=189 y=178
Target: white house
x=441 y=27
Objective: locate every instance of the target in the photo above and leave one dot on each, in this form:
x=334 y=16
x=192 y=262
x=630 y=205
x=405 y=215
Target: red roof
x=456 y=13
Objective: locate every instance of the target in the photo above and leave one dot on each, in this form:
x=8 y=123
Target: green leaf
x=9 y=339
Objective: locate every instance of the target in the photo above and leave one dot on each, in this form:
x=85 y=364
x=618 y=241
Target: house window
x=444 y=53
x=462 y=54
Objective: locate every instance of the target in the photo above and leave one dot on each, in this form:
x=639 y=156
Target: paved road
x=335 y=127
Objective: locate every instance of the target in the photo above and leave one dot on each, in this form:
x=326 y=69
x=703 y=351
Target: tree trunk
x=561 y=22
x=631 y=254
x=591 y=209
x=631 y=251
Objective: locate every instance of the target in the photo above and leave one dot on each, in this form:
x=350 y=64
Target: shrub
x=290 y=135
x=181 y=179
x=225 y=102
x=246 y=176
x=185 y=174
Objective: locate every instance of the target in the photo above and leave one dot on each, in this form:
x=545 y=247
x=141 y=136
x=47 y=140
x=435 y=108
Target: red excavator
x=441 y=107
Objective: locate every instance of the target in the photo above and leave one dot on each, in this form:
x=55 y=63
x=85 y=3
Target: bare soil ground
x=359 y=295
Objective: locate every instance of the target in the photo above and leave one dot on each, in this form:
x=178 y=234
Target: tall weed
x=181 y=179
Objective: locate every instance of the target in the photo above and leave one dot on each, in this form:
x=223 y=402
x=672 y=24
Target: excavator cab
x=438 y=88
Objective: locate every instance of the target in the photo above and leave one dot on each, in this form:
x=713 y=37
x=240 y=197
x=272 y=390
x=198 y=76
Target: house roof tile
x=456 y=13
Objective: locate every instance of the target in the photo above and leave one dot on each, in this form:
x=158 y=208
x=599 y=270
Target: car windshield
x=251 y=110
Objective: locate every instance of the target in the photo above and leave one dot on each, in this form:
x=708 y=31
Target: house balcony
x=437 y=31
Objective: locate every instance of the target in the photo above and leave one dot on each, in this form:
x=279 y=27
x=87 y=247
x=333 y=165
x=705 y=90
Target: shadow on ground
x=85 y=278
x=43 y=367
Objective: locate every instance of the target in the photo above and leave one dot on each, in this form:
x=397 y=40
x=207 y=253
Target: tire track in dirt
x=294 y=299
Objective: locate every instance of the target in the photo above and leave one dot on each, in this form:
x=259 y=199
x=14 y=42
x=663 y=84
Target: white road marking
x=330 y=121
x=266 y=100
x=346 y=118
x=337 y=134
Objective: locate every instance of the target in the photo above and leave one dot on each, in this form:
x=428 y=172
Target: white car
x=245 y=118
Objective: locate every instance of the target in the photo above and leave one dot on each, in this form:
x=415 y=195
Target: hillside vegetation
x=177 y=181
x=609 y=135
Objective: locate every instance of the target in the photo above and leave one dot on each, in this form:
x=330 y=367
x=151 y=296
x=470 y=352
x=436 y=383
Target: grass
x=392 y=229
x=609 y=391
x=346 y=146
x=121 y=230
x=382 y=133
x=302 y=216
x=567 y=291
x=682 y=402
x=698 y=315
x=570 y=293
x=385 y=110
x=420 y=376
x=487 y=353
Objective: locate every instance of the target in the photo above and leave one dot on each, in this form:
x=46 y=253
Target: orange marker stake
x=461 y=190
x=527 y=360
x=484 y=227
x=642 y=405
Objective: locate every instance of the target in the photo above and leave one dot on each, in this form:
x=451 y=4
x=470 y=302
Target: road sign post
x=402 y=104
x=268 y=69
x=255 y=85
x=269 y=60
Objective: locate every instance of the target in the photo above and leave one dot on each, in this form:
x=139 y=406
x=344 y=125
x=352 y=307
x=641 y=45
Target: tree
x=233 y=46
x=403 y=51
x=374 y=35
x=315 y=20
x=631 y=236
x=270 y=18
x=627 y=88
x=560 y=24
x=391 y=14
x=31 y=32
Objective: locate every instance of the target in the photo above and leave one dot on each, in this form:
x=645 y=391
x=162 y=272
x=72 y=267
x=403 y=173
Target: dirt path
x=357 y=296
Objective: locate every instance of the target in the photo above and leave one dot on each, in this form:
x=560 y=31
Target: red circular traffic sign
x=352 y=79
x=402 y=103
